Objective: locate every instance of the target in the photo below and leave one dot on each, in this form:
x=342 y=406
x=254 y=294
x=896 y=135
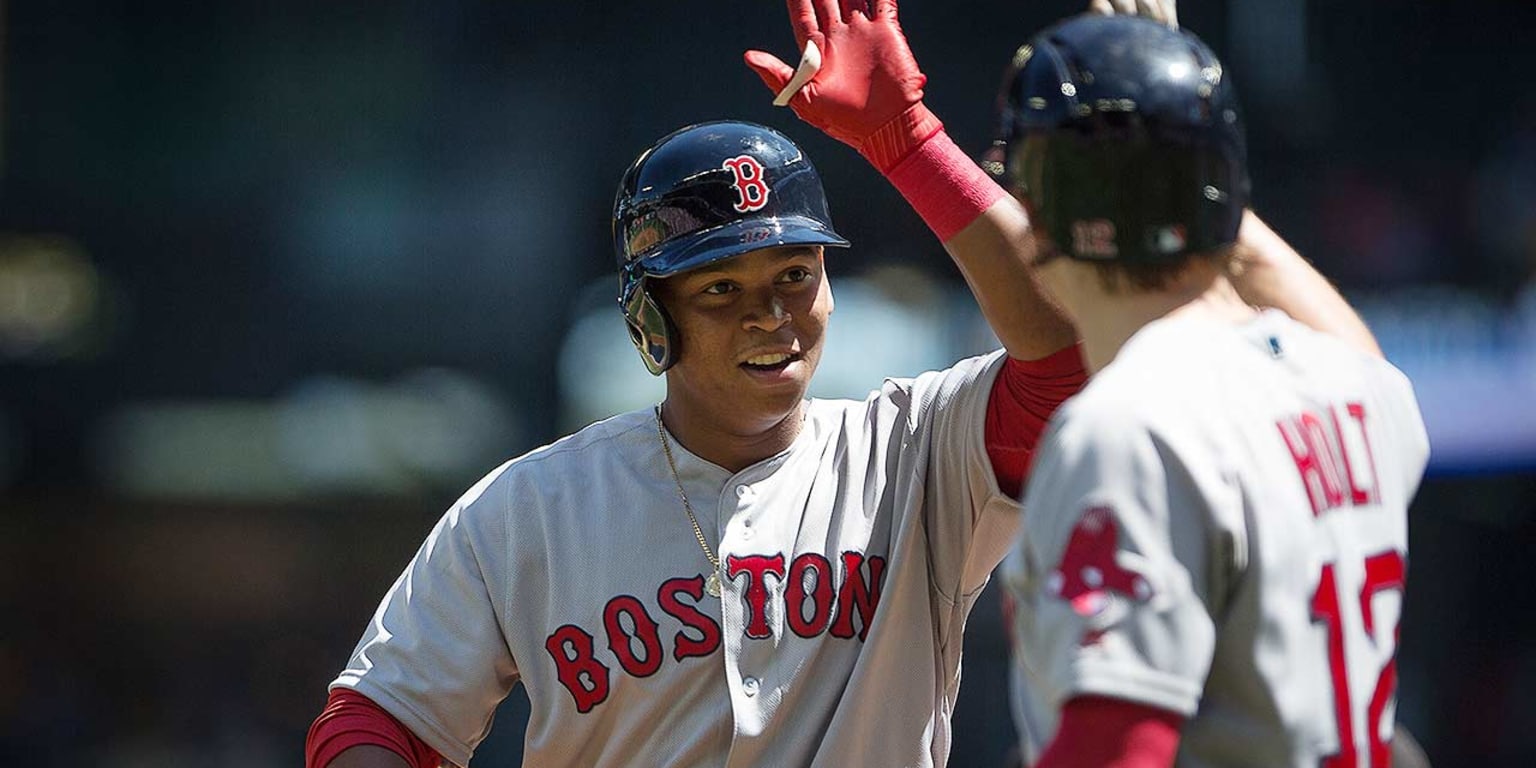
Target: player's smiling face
x=750 y=332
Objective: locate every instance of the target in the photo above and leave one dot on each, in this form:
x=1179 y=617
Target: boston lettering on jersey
x=1333 y=455
x=636 y=645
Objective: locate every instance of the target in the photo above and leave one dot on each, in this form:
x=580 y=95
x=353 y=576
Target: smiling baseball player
x=740 y=576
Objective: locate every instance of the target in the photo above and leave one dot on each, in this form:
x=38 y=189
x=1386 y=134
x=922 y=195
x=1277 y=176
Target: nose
x=766 y=313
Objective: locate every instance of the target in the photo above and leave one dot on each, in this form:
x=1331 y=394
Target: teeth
x=767 y=359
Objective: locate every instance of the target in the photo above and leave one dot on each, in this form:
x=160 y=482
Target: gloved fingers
x=802 y=21
x=773 y=72
x=1158 y=10
x=829 y=14
x=1101 y=7
x=1171 y=13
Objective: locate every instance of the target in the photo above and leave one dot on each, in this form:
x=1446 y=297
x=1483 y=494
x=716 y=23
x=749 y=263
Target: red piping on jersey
x=351 y=719
x=1024 y=395
x=1100 y=732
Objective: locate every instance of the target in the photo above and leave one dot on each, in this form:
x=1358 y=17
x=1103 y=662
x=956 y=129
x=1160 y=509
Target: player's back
x=1305 y=584
x=1277 y=463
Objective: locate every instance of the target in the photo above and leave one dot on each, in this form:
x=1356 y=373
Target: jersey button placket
x=746 y=495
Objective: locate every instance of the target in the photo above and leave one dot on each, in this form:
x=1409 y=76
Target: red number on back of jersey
x=1382 y=572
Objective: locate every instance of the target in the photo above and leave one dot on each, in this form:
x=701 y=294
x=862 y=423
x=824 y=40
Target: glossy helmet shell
x=704 y=193
x=1125 y=141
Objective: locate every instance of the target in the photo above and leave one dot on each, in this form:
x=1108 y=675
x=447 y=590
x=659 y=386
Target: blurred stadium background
x=279 y=279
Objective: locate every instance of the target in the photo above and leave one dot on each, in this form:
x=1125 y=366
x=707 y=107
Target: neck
x=733 y=449
x=1107 y=320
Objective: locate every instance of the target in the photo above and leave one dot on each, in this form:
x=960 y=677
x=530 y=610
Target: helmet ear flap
x=650 y=330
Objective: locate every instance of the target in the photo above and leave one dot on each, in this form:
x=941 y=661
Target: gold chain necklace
x=712 y=584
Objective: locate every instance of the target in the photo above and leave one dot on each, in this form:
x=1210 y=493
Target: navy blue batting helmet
x=701 y=194
x=1125 y=141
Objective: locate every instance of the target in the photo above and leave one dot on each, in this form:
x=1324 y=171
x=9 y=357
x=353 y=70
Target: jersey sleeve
x=1024 y=396
x=1107 y=572
x=969 y=521
x=434 y=655
x=351 y=719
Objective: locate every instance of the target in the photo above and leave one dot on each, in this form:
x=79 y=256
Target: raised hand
x=868 y=91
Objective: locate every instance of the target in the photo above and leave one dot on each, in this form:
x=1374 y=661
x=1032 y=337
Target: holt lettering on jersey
x=639 y=652
x=1333 y=455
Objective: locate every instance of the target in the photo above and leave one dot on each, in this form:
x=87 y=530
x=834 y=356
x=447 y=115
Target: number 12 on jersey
x=1383 y=571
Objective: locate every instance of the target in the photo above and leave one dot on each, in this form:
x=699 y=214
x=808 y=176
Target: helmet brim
x=736 y=238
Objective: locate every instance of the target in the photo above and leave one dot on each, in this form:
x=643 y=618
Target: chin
x=776 y=405
x=784 y=400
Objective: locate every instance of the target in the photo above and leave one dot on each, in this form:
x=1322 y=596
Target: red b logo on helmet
x=751 y=190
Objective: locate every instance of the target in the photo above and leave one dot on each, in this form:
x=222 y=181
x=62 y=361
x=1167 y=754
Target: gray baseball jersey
x=1217 y=526
x=851 y=560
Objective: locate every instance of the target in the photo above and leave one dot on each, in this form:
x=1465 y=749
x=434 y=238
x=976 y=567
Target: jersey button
x=744 y=492
x=749 y=685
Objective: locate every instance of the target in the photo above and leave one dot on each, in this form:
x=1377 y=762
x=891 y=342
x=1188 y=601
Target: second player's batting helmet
x=701 y=194
x=1125 y=141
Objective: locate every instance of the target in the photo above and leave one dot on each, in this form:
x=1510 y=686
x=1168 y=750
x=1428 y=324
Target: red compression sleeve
x=351 y=719
x=1024 y=395
x=942 y=183
x=1099 y=732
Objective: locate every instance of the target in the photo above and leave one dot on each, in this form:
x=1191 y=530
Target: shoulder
x=597 y=442
x=1332 y=357
x=952 y=401
x=971 y=374
x=1110 y=415
x=561 y=467
x=904 y=392
x=1158 y=387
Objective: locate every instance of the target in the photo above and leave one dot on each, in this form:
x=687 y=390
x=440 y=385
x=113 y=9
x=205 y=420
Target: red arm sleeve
x=1024 y=395
x=351 y=719
x=1099 y=732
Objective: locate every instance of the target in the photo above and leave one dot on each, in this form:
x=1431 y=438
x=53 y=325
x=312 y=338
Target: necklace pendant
x=712 y=584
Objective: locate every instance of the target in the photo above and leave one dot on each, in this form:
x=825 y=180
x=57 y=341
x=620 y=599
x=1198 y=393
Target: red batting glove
x=868 y=93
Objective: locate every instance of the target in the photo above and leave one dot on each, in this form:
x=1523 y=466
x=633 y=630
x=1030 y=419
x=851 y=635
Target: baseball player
x=740 y=575
x=1214 y=548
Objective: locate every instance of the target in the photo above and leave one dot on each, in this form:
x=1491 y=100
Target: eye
x=797 y=275
x=719 y=288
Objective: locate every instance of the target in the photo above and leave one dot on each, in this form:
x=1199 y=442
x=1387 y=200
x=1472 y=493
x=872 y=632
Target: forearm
x=987 y=234
x=1272 y=274
x=992 y=253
